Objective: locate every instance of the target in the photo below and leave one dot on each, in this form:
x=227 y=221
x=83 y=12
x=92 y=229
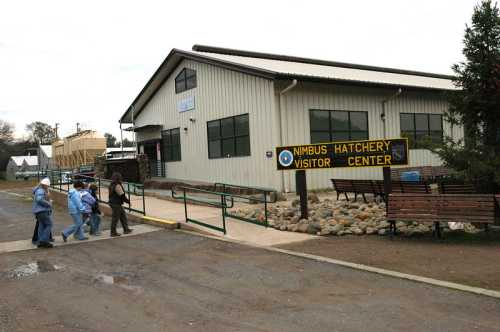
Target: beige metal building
x=214 y=114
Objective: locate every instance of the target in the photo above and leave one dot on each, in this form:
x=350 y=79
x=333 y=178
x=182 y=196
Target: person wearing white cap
x=42 y=209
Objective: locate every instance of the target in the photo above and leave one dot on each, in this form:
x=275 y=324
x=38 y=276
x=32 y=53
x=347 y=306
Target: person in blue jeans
x=88 y=203
x=75 y=208
x=95 y=217
x=42 y=209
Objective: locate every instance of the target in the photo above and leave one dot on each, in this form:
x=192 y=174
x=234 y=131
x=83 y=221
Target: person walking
x=75 y=208
x=116 y=199
x=95 y=217
x=42 y=209
x=88 y=202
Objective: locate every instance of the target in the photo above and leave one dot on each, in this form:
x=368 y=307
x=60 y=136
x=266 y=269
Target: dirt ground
x=171 y=281
x=471 y=259
x=4 y=184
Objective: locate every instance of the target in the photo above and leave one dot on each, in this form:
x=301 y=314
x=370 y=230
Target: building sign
x=383 y=152
x=186 y=104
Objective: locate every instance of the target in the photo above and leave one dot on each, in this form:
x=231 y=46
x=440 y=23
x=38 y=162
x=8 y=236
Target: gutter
x=281 y=125
x=382 y=115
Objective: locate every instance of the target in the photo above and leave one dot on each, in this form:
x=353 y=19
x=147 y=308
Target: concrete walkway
x=236 y=229
x=22 y=245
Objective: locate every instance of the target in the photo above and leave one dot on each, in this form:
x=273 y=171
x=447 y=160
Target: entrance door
x=152 y=149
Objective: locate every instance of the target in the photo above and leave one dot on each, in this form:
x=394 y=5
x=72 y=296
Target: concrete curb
x=168 y=224
x=361 y=267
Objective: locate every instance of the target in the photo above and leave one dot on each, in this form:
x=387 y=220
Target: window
x=419 y=127
x=186 y=80
x=171 y=144
x=331 y=126
x=229 y=137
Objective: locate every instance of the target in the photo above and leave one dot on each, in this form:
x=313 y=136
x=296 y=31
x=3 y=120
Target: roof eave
x=197 y=57
x=316 y=79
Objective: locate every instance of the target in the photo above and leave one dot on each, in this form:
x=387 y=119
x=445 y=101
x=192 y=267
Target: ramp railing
x=267 y=196
x=206 y=197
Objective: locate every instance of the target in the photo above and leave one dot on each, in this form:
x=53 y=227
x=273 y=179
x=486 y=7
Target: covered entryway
x=149 y=143
x=152 y=149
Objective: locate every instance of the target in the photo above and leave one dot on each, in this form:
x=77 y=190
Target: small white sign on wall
x=186 y=104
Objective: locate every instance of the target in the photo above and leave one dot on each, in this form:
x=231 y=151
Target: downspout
x=382 y=116
x=292 y=85
x=134 y=134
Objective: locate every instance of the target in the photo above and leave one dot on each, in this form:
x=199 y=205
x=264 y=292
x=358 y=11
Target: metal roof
x=276 y=67
x=18 y=160
x=30 y=160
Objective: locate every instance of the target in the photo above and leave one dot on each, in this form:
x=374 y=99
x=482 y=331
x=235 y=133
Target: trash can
x=410 y=176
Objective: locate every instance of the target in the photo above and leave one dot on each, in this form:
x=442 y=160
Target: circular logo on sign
x=285 y=158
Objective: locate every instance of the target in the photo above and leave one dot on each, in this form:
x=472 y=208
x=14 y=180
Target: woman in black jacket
x=116 y=199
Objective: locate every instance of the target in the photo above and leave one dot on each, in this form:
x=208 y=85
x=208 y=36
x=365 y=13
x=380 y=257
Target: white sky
x=85 y=61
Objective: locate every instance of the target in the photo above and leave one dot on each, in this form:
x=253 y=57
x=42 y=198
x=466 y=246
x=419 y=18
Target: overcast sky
x=85 y=61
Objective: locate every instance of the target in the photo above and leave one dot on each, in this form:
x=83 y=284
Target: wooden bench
x=342 y=187
x=438 y=208
x=454 y=188
x=376 y=187
x=421 y=187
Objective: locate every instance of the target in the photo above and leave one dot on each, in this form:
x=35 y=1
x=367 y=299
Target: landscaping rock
x=313 y=198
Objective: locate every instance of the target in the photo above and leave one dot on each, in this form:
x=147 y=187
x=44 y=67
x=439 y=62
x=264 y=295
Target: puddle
x=33 y=268
x=118 y=279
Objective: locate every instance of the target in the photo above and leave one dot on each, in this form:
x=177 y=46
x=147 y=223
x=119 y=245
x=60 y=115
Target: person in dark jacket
x=95 y=216
x=42 y=209
x=116 y=199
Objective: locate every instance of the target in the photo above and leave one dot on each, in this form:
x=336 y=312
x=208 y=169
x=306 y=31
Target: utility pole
x=78 y=127
x=56 y=127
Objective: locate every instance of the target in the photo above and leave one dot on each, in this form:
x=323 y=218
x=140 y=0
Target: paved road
x=170 y=281
x=17 y=221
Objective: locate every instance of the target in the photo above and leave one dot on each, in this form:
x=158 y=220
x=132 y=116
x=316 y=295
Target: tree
x=127 y=144
x=40 y=133
x=6 y=132
x=111 y=141
x=476 y=105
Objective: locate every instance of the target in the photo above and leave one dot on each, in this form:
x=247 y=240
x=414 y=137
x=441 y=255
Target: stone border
x=361 y=267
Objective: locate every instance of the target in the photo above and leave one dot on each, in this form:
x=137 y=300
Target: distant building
x=45 y=160
x=18 y=164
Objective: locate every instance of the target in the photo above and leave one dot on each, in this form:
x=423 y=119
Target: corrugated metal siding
x=297 y=103
x=219 y=93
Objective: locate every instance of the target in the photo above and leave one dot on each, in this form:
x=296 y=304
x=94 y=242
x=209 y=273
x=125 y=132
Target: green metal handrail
x=222 y=203
x=266 y=192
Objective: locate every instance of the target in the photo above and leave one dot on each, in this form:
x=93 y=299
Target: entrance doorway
x=152 y=149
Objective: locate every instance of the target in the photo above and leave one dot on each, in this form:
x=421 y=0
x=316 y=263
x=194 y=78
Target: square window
x=229 y=137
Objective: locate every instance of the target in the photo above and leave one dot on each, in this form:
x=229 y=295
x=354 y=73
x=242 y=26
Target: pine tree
x=476 y=105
